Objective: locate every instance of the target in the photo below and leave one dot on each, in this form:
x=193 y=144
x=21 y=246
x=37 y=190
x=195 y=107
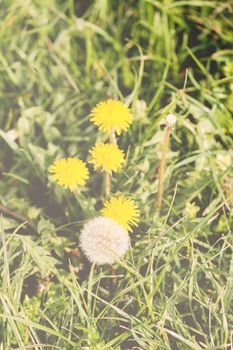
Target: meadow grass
x=174 y=288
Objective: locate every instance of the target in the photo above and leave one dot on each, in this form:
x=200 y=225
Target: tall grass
x=174 y=288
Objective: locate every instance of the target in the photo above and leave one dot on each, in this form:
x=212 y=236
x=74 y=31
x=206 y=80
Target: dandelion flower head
x=122 y=210
x=103 y=240
x=112 y=115
x=107 y=157
x=69 y=172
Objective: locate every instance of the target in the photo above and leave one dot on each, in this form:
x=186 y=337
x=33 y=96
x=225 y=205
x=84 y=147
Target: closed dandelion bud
x=139 y=109
x=103 y=240
x=170 y=121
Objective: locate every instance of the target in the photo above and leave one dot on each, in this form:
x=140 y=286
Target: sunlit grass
x=58 y=60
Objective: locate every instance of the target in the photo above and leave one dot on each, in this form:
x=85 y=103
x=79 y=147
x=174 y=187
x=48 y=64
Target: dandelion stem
x=113 y=140
x=107 y=184
x=113 y=137
x=16 y=216
x=162 y=167
x=170 y=124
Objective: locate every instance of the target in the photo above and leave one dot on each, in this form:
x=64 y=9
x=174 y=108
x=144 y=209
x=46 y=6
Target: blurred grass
x=57 y=60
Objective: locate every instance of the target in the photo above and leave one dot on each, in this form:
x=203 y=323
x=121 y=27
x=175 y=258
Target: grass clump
x=173 y=289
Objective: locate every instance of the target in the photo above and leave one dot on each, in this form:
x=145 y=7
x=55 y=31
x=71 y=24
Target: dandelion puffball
x=103 y=240
x=112 y=115
x=69 y=172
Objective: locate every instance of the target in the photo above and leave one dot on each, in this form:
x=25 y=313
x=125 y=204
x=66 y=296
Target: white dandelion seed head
x=103 y=240
x=170 y=120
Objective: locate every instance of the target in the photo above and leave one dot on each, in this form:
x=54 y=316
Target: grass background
x=57 y=60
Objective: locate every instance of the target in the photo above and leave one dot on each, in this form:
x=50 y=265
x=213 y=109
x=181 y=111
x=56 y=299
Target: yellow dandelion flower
x=112 y=115
x=123 y=210
x=107 y=157
x=69 y=172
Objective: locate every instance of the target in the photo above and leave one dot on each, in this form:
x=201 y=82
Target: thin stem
x=113 y=137
x=107 y=184
x=162 y=167
x=113 y=140
x=17 y=217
